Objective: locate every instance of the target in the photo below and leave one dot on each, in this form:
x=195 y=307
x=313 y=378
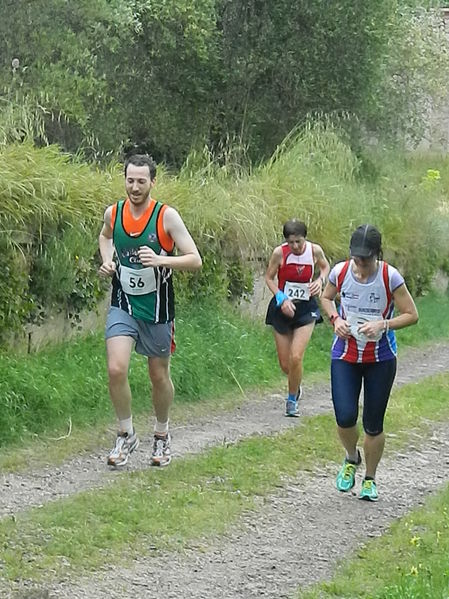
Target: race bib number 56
x=137 y=282
x=297 y=291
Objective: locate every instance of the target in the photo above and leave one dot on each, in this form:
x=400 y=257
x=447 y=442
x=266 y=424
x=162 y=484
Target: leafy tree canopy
x=169 y=76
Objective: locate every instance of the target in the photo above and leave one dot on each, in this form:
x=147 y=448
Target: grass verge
x=409 y=561
x=220 y=354
x=195 y=498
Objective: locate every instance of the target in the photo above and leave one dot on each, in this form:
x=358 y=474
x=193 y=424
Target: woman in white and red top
x=364 y=349
x=293 y=310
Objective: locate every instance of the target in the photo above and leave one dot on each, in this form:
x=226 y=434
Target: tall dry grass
x=235 y=212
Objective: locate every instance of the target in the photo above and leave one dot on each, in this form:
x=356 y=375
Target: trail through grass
x=410 y=561
x=196 y=497
x=219 y=351
x=220 y=354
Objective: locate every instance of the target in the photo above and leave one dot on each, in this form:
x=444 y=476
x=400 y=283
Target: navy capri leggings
x=346 y=380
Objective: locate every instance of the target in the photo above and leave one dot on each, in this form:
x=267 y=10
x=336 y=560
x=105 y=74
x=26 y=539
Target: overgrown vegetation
x=80 y=78
x=87 y=71
x=51 y=214
x=52 y=208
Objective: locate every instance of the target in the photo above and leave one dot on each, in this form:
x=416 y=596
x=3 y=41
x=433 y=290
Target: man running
x=137 y=247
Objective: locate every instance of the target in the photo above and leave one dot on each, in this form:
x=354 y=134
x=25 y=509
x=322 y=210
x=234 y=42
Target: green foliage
x=106 y=71
x=49 y=223
x=21 y=119
x=16 y=303
x=411 y=76
x=64 y=272
x=52 y=210
x=63 y=60
x=418 y=248
x=174 y=58
x=210 y=281
x=286 y=61
x=112 y=74
x=219 y=278
x=241 y=279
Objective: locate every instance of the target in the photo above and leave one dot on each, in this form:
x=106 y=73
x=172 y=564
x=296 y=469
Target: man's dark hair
x=294 y=227
x=142 y=160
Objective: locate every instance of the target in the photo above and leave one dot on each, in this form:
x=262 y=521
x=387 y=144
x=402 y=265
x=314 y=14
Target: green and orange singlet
x=146 y=293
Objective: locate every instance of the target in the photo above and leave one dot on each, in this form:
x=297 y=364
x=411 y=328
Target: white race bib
x=356 y=320
x=297 y=291
x=137 y=281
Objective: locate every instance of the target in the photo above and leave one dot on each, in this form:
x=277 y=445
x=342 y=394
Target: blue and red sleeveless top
x=360 y=302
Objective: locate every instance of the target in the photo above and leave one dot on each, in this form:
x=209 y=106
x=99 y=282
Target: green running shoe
x=346 y=476
x=369 y=491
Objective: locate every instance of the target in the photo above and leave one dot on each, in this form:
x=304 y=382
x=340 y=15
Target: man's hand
x=107 y=269
x=148 y=257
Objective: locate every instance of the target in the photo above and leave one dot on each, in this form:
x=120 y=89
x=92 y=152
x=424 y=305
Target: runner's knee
x=374 y=425
x=159 y=374
x=117 y=371
x=297 y=356
x=346 y=420
x=373 y=432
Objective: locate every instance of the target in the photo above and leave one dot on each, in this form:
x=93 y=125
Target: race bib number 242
x=297 y=291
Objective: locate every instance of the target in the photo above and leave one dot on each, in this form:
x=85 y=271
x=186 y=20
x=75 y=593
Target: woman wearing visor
x=364 y=350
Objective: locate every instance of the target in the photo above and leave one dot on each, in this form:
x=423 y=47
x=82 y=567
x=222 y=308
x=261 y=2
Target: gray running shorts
x=152 y=340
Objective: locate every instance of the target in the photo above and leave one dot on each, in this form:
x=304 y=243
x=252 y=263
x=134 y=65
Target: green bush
x=51 y=213
x=52 y=208
x=64 y=273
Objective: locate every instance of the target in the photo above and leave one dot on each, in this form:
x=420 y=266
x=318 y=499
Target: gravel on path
x=295 y=538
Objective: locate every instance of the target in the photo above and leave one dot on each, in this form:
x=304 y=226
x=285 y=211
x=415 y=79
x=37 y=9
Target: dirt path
x=264 y=416
x=295 y=539
x=264 y=555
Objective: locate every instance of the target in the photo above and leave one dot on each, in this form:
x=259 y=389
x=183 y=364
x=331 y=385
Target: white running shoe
x=125 y=444
x=161 y=455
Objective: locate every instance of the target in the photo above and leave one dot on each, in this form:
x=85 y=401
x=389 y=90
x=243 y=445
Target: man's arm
x=188 y=258
x=107 y=269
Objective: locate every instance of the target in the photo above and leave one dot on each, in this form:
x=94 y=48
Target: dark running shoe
x=291 y=409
